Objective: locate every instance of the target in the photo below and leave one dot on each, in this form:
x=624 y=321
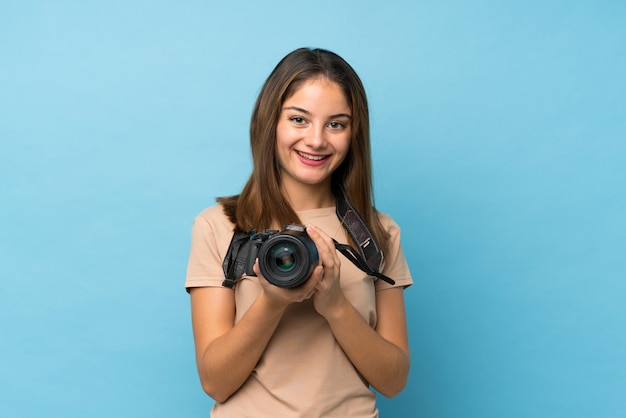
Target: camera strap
x=368 y=257
x=234 y=264
x=351 y=254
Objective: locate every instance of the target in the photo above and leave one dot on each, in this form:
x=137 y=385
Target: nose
x=316 y=136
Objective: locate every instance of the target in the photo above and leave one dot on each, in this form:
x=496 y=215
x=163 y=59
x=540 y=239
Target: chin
x=309 y=181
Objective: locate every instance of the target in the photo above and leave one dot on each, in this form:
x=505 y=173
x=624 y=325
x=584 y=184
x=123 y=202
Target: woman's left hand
x=381 y=354
x=328 y=296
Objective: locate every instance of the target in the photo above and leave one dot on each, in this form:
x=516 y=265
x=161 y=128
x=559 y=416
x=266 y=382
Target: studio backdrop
x=499 y=146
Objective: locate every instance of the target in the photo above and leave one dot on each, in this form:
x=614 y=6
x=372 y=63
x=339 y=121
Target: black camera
x=286 y=258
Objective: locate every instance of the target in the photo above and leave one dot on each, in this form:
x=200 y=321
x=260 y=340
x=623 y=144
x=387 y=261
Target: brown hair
x=261 y=204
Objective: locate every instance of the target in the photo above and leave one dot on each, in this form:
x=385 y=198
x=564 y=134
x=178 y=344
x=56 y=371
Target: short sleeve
x=395 y=265
x=211 y=233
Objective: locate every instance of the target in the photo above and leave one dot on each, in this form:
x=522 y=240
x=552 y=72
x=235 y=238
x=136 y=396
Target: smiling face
x=312 y=136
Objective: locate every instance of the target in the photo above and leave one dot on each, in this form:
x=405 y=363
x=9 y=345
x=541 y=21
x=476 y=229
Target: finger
x=320 y=283
x=320 y=237
x=255 y=267
x=324 y=244
x=316 y=276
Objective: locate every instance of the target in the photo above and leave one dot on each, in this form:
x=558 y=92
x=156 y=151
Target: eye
x=336 y=125
x=297 y=120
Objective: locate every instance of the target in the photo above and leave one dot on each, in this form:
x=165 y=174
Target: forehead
x=318 y=91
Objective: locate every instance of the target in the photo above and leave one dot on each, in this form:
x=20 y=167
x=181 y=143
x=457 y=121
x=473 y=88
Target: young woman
x=317 y=349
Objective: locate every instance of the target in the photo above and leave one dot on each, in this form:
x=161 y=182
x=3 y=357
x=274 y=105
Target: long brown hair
x=261 y=204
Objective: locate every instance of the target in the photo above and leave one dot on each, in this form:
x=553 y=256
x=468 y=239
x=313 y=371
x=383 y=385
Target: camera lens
x=283 y=257
x=288 y=258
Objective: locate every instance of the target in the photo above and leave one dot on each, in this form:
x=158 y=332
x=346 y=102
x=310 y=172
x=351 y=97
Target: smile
x=312 y=157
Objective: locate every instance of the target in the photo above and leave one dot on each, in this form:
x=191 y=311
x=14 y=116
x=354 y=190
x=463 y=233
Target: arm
x=381 y=355
x=226 y=353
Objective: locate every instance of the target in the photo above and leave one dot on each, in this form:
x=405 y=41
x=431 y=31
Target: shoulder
x=213 y=213
x=388 y=223
x=211 y=234
x=214 y=219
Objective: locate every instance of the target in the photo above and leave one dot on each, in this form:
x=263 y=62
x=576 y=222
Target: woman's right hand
x=283 y=297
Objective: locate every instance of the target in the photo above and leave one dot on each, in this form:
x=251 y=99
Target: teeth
x=311 y=157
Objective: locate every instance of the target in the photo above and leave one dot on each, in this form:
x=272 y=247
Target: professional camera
x=286 y=258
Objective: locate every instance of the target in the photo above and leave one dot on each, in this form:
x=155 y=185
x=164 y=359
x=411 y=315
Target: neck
x=307 y=197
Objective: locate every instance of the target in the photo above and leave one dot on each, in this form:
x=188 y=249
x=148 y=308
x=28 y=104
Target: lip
x=320 y=159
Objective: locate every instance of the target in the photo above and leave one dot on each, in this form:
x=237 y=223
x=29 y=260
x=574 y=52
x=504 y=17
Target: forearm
x=382 y=363
x=227 y=362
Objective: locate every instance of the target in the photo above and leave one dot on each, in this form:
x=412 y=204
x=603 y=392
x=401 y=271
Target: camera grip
x=253 y=250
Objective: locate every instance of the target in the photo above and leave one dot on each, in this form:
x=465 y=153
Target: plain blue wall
x=499 y=134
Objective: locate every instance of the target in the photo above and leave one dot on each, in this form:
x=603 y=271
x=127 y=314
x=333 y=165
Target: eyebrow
x=306 y=112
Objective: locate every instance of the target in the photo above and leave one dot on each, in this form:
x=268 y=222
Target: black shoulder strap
x=235 y=261
x=369 y=257
x=360 y=233
x=356 y=259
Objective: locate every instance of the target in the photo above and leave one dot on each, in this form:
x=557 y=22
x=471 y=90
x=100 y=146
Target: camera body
x=286 y=258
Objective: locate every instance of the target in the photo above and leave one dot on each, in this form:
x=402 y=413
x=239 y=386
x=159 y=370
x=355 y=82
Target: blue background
x=499 y=139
